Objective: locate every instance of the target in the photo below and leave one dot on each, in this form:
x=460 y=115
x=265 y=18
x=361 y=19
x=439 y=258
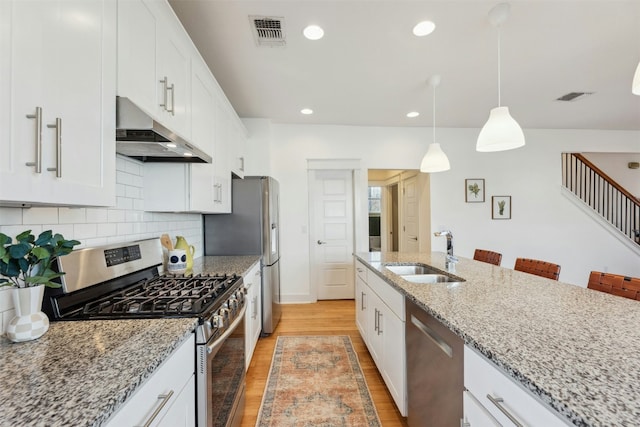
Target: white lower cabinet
x=167 y=398
x=253 y=318
x=380 y=313
x=500 y=399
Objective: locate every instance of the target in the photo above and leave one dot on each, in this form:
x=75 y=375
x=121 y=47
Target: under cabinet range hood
x=141 y=137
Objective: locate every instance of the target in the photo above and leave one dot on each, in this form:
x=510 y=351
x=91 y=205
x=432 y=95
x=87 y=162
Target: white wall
x=98 y=226
x=545 y=224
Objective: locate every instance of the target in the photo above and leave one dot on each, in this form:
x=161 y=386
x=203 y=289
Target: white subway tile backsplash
x=124 y=229
x=116 y=215
x=40 y=216
x=121 y=190
x=133 y=216
x=98 y=241
x=72 y=215
x=106 y=229
x=10 y=216
x=137 y=181
x=138 y=205
x=85 y=231
x=124 y=203
x=134 y=168
x=97 y=215
x=124 y=178
x=133 y=193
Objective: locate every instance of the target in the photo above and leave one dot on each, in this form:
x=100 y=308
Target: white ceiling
x=370 y=69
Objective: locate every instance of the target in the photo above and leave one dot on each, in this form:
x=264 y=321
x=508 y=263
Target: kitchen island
x=80 y=373
x=574 y=348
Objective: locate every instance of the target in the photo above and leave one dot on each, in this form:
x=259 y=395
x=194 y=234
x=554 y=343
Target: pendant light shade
x=635 y=86
x=435 y=160
x=501 y=132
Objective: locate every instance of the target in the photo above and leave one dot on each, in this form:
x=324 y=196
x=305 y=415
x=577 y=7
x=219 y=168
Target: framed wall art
x=474 y=190
x=501 y=207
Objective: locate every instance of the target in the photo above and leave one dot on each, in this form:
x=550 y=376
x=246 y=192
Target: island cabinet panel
x=167 y=398
x=57 y=90
x=382 y=329
x=501 y=397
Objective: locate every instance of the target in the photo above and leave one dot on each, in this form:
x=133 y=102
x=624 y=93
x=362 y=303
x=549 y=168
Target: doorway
x=405 y=212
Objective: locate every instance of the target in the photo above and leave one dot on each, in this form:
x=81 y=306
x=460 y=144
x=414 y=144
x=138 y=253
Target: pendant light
x=635 y=86
x=501 y=132
x=435 y=160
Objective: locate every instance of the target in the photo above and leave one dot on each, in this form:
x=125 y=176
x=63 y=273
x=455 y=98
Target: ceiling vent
x=268 y=30
x=573 y=96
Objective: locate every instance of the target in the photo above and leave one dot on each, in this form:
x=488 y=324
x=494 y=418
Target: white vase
x=30 y=322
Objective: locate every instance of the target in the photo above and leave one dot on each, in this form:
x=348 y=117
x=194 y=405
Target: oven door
x=221 y=377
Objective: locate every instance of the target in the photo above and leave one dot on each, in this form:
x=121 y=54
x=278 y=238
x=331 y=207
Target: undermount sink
x=414 y=269
x=428 y=278
x=420 y=273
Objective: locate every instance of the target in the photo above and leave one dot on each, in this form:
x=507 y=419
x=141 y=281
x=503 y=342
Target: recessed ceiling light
x=306 y=111
x=313 y=32
x=413 y=114
x=424 y=28
x=171 y=145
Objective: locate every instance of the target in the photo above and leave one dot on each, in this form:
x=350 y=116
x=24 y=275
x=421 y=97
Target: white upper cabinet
x=57 y=84
x=222 y=156
x=238 y=142
x=154 y=59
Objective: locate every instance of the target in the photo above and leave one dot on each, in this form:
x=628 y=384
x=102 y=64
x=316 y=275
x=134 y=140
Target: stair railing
x=603 y=194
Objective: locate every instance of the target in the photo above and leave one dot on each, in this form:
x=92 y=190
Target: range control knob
x=218 y=320
x=240 y=295
x=233 y=303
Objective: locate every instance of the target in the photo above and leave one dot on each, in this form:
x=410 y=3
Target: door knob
x=320 y=242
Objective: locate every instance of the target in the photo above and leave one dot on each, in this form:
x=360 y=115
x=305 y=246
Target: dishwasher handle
x=433 y=336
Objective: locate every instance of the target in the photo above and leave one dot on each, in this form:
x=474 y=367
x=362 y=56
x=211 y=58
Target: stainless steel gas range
x=122 y=281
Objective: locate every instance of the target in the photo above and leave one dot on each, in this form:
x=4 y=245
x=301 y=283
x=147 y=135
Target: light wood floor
x=322 y=318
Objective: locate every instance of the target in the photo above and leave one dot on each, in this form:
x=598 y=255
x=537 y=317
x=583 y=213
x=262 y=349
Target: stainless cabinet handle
x=58 y=127
x=172 y=110
x=375 y=321
x=498 y=402
x=38 y=138
x=463 y=423
x=414 y=238
x=320 y=242
x=431 y=334
x=165 y=399
x=379 y=316
x=360 y=270
x=242 y=164
x=362 y=301
x=165 y=84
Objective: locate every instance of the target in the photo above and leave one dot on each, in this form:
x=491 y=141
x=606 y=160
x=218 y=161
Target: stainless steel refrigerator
x=251 y=229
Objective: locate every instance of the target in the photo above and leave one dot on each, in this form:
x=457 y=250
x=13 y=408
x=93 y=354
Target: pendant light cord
x=434 y=114
x=499 y=65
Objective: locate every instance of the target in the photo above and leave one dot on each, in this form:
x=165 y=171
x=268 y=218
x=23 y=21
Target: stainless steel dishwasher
x=435 y=371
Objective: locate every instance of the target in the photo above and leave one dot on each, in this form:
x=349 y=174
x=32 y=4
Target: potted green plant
x=26 y=266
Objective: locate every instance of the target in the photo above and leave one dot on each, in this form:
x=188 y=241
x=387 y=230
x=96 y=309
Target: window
x=375 y=193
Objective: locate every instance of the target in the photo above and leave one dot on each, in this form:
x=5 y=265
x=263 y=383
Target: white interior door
x=410 y=212
x=331 y=223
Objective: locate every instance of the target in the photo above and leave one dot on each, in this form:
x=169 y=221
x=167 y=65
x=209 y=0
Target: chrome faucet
x=451 y=260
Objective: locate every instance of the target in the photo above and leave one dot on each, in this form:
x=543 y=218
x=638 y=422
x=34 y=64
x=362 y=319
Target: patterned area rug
x=316 y=381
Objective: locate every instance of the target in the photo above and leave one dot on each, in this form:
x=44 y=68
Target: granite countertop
x=240 y=264
x=79 y=373
x=577 y=349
